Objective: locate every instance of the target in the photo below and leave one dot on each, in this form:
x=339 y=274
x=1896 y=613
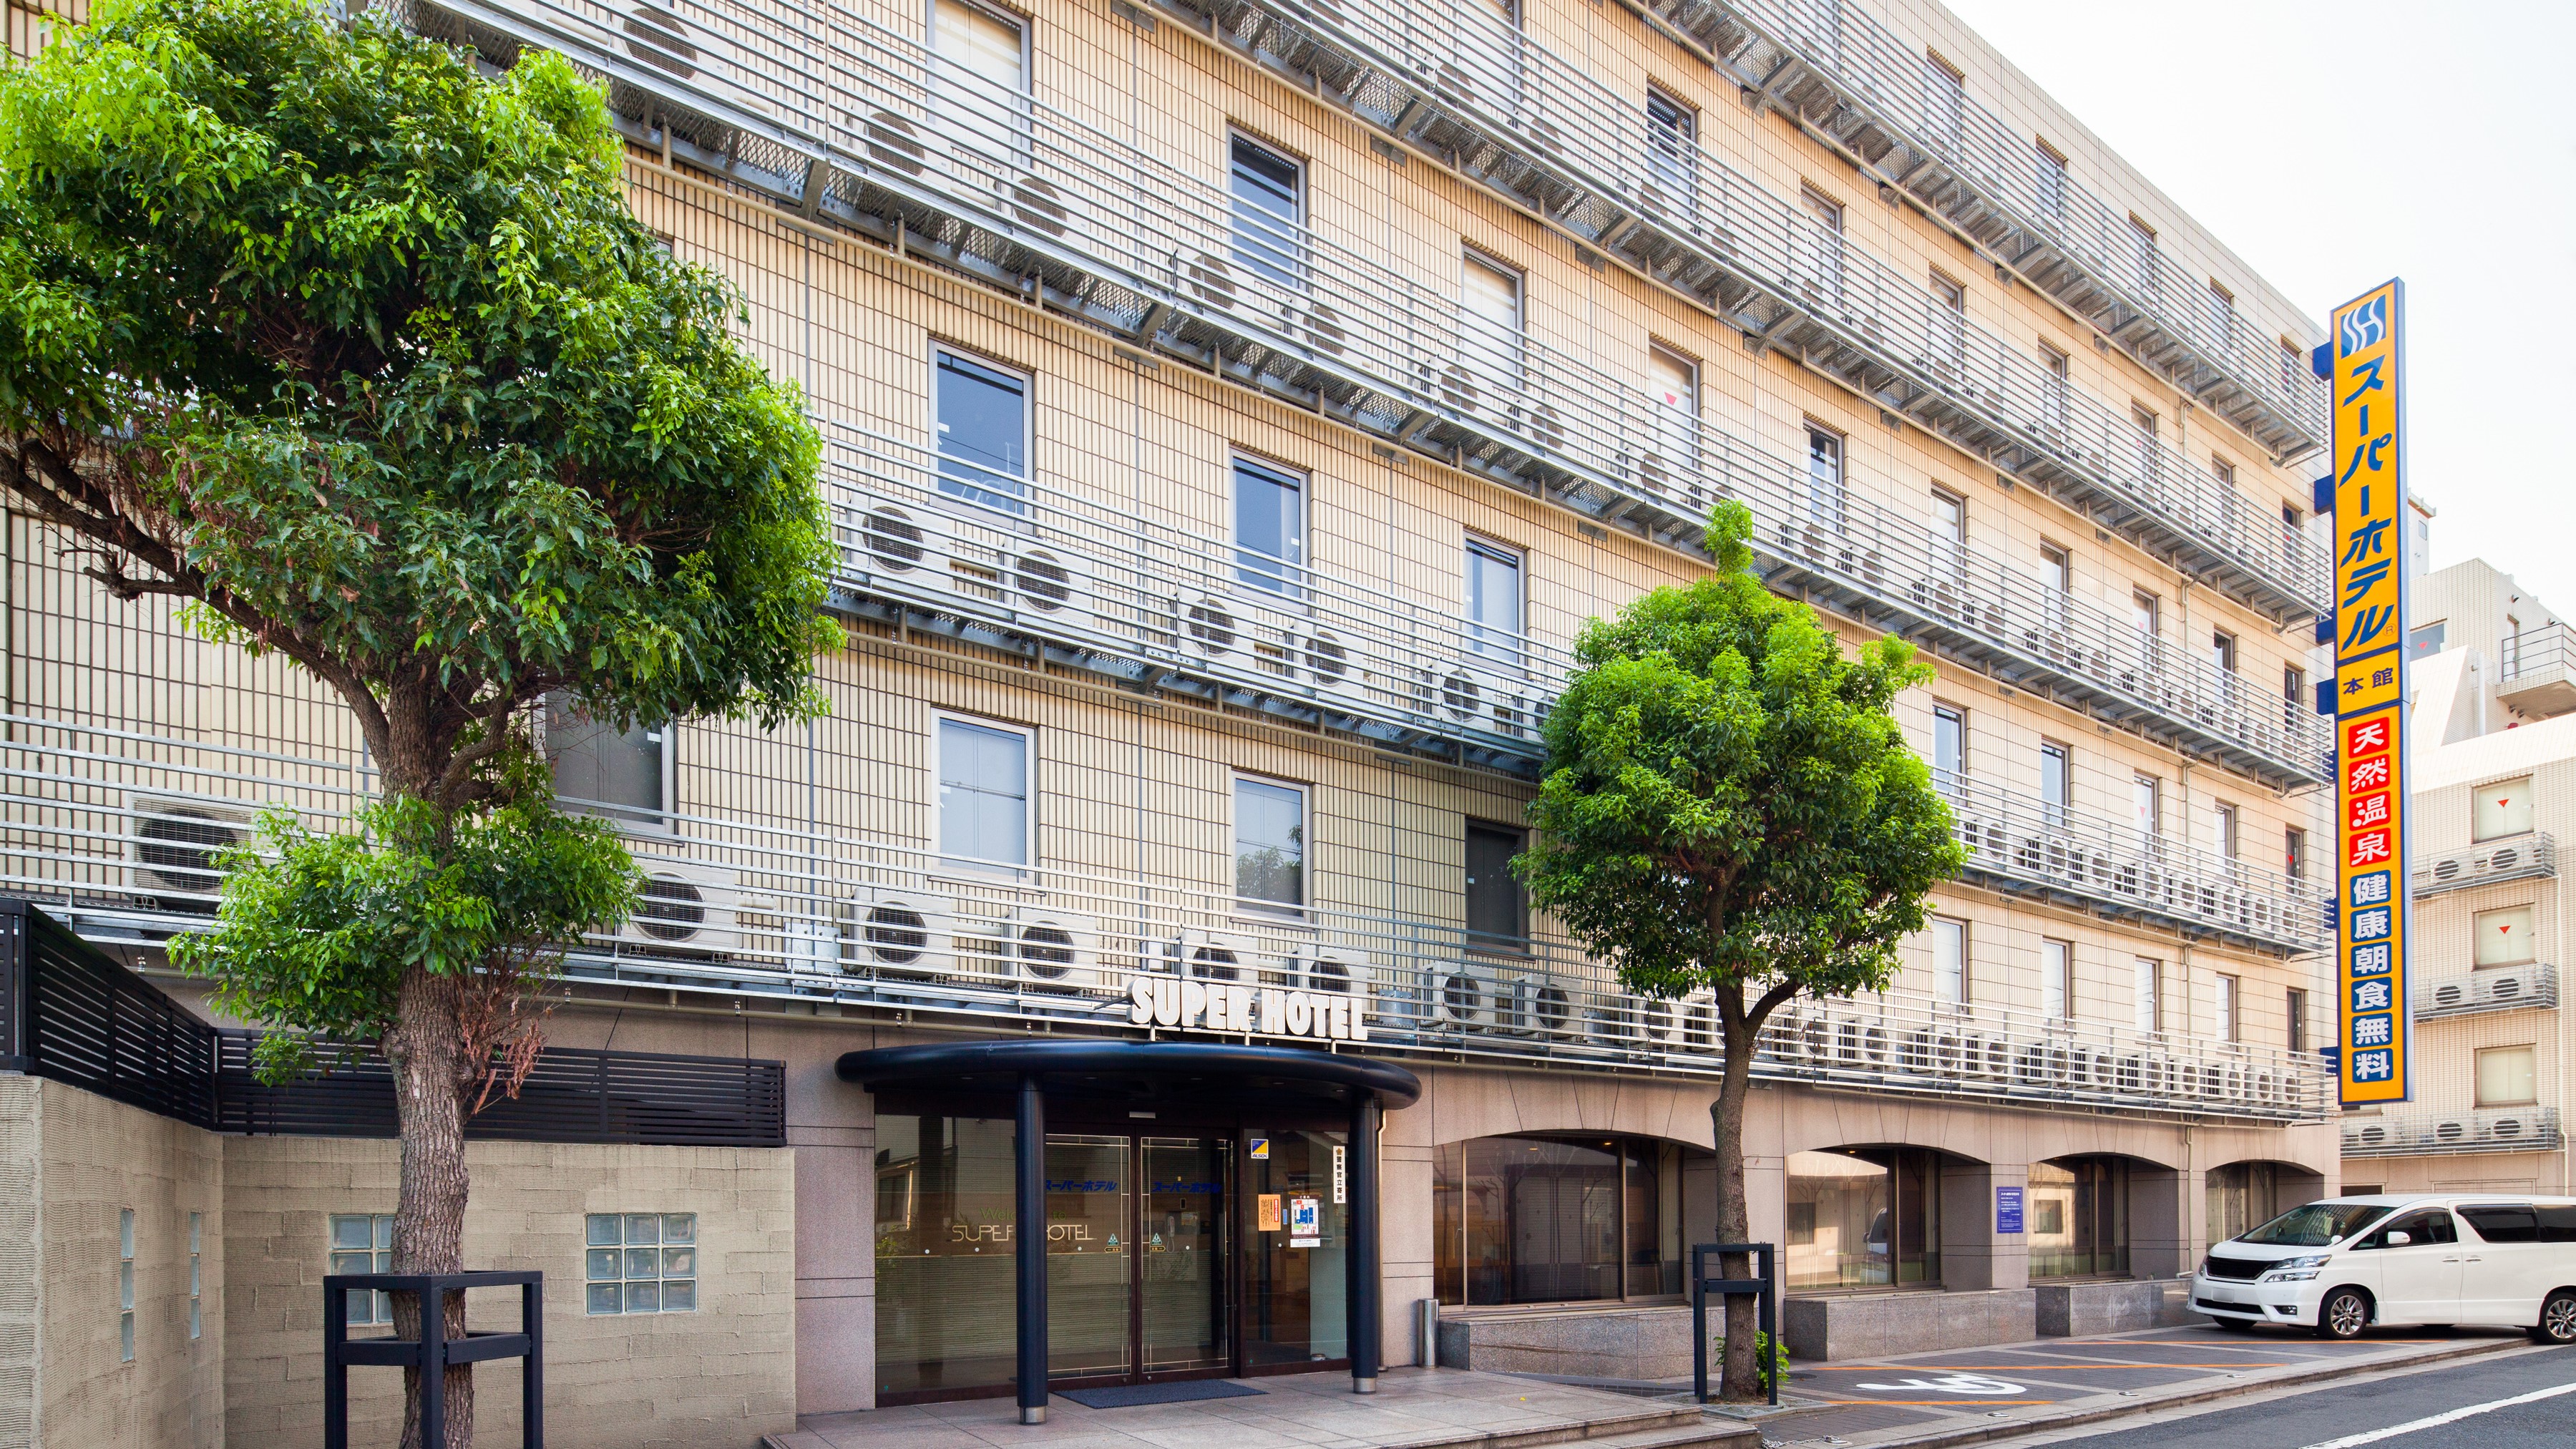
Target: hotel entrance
x=1195 y=1226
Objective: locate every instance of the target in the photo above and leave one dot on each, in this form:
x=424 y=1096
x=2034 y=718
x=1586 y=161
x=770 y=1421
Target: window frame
x=2056 y=979
x=1955 y=785
x=1298 y=261
x=1952 y=986
x=2227 y=1001
x=993 y=515
x=664 y=824
x=2056 y=767
x=947 y=862
x=1292 y=589
x=2147 y=982
x=1511 y=656
x=2477 y=834
x=1484 y=943
x=2478 y=1073
x=2480 y=920
x=661 y=1247
x=1254 y=906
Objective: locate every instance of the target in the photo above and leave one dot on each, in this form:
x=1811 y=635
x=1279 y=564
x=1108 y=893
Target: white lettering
x=1359 y=1019
x=1218 y=999
x=1274 y=1010
x=1140 y=992
x=1194 y=999
x=1238 y=1007
x=1167 y=1002
x=1301 y=1014
x=1339 y=1028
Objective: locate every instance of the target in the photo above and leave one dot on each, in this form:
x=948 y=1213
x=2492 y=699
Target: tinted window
x=2420 y=1228
x=2504 y=1222
x=2557 y=1224
x=1496 y=913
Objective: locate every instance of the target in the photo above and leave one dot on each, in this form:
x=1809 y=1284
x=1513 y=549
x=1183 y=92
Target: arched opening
x=2242 y=1196
x=1568 y=1218
x=1862 y=1217
x=2076 y=1219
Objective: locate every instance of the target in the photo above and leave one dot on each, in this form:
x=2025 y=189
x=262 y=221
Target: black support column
x=1361 y=1262
x=1029 y=1237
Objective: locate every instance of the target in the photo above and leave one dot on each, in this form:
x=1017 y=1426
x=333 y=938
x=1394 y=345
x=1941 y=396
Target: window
x=125 y=1285
x=2222 y=318
x=1672 y=152
x=2294 y=701
x=1949 y=325
x=2501 y=809
x=2056 y=784
x=2150 y=455
x=1949 y=750
x=1950 y=538
x=2293 y=362
x=2147 y=810
x=2049 y=180
x=2422 y=1229
x=2052 y=389
x=1269 y=842
x=2057 y=980
x=1945 y=98
x=1497 y=912
x=1491 y=321
x=2508 y=1077
x=1558 y=1220
x=982 y=424
x=196 y=1275
x=1868 y=1217
x=1950 y=961
x=1269 y=205
x=2505 y=937
x=1494 y=603
x=2425 y=640
x=364 y=1243
x=1820 y=243
x=1673 y=381
x=1825 y=479
x=640 y=1263
x=2298 y=1013
x=2294 y=853
x=2146 y=271
x=2294 y=533
x=983 y=794
x=979 y=90
x=2222 y=651
x=2222 y=831
x=2504 y=1222
x=950 y=1250
x=2146 y=616
x=622 y=774
x=1269 y=527
x=2078 y=1217
x=2512 y=646
x=2224 y=1020
x=2057 y=588
x=2150 y=996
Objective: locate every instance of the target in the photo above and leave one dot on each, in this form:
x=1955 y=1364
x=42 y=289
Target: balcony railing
x=2520 y=857
x=2027 y=846
x=1843 y=74
x=2421 y=1134
x=2490 y=988
x=846 y=122
x=114 y=832
x=2537 y=675
x=1543 y=134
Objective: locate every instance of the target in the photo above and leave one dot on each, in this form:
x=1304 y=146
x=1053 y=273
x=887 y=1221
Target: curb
x=2077 y=1418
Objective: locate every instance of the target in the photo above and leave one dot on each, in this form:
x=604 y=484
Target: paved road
x=2472 y=1394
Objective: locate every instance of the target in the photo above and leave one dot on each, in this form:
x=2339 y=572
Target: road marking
x=1956 y=1383
x=1928 y=1403
x=2026 y=1368
x=2349 y=1441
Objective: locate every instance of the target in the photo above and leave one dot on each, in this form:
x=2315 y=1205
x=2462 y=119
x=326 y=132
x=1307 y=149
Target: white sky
x=2234 y=108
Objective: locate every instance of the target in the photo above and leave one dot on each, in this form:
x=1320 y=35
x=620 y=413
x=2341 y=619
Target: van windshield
x=2317 y=1225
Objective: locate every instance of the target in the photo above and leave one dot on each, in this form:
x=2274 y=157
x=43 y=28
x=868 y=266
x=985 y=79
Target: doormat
x=1129 y=1396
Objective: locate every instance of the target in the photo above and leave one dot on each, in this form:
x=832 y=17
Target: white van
x=2347 y=1263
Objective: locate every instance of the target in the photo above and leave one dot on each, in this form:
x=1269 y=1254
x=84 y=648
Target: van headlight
x=2294 y=1270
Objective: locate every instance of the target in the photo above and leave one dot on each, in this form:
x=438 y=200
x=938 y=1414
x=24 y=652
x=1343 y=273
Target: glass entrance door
x=1184 y=1317
x=1296 y=1234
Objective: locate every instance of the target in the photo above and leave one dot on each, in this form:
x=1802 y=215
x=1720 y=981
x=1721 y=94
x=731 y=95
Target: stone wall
x=716 y=1378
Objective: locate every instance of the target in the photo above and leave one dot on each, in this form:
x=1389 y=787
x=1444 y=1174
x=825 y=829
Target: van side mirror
x=2399 y=1240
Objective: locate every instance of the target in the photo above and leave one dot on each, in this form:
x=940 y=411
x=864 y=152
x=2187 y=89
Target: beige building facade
x=1233 y=410
x=2494 y=708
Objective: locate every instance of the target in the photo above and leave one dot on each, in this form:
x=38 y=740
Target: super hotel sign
x=2367 y=368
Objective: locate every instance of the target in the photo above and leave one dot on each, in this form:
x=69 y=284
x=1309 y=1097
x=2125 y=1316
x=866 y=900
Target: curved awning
x=1122 y=1068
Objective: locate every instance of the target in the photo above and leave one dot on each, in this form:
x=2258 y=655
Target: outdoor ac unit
x=1209 y=626
x=1214 y=955
x=688 y=910
x=904 y=933
x=1459 y=995
x=1485 y=700
x=2454 y=1129
x=171 y=847
x=903 y=542
x=1659 y=1022
x=1349 y=973
x=1055 y=950
x=1051 y=581
x=2516 y=1128
x=1330 y=661
x=1534 y=1006
x=1612 y=1021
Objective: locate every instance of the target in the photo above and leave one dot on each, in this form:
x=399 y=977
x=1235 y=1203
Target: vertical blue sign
x=2007 y=1210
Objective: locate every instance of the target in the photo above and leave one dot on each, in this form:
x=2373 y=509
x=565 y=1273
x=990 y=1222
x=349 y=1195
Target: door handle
x=2450 y=1260
x=2473 y=1258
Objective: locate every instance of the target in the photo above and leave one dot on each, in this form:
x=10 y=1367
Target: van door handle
x=2473 y=1258
x=2450 y=1260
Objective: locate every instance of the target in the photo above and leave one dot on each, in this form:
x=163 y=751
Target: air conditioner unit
x=1055 y=950
x=1482 y=699
x=1534 y=1006
x=1051 y=581
x=1209 y=627
x=2516 y=1128
x=2453 y=1129
x=170 y=850
x=1213 y=955
x=687 y=910
x=1330 y=660
x=1458 y=996
x=1612 y=1021
x=901 y=542
x=1349 y=973
x=903 y=933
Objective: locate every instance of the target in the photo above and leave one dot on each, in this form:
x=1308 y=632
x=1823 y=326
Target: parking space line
x=2435 y=1421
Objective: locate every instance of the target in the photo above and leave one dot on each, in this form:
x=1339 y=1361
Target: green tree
x=1729 y=806
x=364 y=357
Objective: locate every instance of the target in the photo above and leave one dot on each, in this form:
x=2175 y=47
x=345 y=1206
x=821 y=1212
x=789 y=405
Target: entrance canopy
x=1200 y=1070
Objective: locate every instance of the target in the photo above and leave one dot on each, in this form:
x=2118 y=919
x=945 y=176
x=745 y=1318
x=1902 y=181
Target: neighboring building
x=2494 y=762
x=1233 y=409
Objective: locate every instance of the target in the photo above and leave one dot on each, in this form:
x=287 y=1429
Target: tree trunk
x=1741 y=1379
x=426 y=1050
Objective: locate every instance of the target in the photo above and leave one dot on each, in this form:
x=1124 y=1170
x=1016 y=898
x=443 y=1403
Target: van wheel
x=2557 y=1318
x=2344 y=1314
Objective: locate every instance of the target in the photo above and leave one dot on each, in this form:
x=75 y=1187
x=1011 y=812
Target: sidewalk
x=1963 y=1396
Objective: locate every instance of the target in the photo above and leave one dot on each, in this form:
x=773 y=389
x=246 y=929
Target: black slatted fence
x=70 y=1012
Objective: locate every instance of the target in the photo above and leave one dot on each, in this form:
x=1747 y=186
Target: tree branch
x=460 y=767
